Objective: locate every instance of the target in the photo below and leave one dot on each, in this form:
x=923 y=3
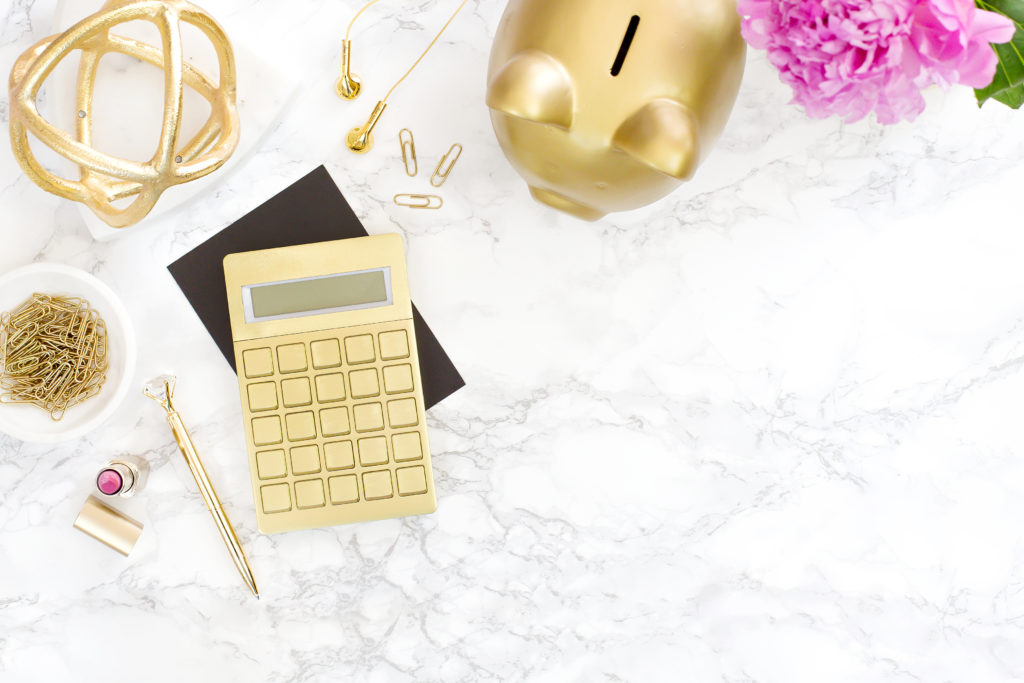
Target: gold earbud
x=360 y=139
x=348 y=85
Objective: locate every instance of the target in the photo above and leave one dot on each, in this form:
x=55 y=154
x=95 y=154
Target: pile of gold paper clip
x=411 y=164
x=53 y=353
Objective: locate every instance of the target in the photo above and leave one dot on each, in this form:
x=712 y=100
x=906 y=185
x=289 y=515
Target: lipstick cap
x=108 y=526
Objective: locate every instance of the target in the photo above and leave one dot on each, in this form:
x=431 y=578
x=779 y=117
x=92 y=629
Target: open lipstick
x=120 y=478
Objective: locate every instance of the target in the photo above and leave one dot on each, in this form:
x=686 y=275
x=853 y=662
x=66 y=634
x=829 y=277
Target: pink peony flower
x=851 y=57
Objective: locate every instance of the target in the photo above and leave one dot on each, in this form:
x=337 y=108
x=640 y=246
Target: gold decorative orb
x=105 y=179
x=607 y=106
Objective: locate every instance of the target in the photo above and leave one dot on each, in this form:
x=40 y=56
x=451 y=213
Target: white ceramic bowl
x=29 y=423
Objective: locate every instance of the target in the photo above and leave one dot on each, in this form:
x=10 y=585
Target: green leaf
x=1008 y=84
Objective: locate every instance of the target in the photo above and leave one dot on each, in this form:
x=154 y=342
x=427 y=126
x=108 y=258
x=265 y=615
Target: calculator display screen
x=315 y=295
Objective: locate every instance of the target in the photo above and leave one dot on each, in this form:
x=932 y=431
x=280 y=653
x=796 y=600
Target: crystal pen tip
x=161 y=390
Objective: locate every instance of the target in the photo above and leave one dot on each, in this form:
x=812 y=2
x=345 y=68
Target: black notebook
x=311 y=210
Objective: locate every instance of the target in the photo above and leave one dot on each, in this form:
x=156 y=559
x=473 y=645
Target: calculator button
x=393 y=345
x=402 y=413
x=334 y=421
x=295 y=392
x=343 y=489
x=300 y=426
x=398 y=378
x=411 y=480
x=330 y=387
x=406 y=446
x=368 y=417
x=326 y=353
x=262 y=396
x=270 y=464
x=309 y=494
x=363 y=383
x=266 y=430
x=258 y=363
x=276 y=498
x=359 y=349
x=338 y=455
x=291 y=357
x=305 y=460
x=373 y=451
x=377 y=485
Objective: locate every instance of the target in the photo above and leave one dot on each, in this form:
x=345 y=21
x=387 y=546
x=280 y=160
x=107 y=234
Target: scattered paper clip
x=419 y=201
x=445 y=166
x=408 y=152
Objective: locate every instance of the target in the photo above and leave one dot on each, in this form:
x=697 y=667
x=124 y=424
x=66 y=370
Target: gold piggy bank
x=603 y=105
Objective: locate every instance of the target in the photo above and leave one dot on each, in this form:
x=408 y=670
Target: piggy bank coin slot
x=627 y=40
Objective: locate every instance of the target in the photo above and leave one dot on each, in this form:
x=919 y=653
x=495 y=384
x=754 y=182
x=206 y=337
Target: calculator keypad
x=258 y=363
x=262 y=396
x=334 y=421
x=337 y=424
x=377 y=485
x=326 y=353
x=295 y=392
x=305 y=459
x=373 y=451
x=300 y=426
x=291 y=358
x=276 y=498
x=330 y=388
x=364 y=383
x=411 y=480
x=309 y=494
x=266 y=430
x=407 y=446
x=398 y=378
x=344 y=489
x=359 y=349
x=394 y=344
x=338 y=455
x=369 y=417
x=402 y=413
x=270 y=464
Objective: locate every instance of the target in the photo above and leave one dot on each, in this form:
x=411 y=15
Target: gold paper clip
x=445 y=166
x=408 y=152
x=419 y=201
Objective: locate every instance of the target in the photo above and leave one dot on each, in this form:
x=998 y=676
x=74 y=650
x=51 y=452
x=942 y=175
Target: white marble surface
x=768 y=429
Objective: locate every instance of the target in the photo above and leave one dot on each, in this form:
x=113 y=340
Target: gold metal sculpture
x=106 y=179
x=605 y=106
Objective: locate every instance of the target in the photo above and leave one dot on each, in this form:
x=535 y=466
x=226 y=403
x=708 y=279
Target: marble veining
x=766 y=429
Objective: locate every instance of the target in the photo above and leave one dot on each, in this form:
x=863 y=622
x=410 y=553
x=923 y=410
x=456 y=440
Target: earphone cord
x=365 y=7
x=424 y=54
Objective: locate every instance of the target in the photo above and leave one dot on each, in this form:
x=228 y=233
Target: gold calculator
x=330 y=383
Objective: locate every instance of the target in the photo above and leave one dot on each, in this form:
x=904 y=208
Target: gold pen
x=161 y=390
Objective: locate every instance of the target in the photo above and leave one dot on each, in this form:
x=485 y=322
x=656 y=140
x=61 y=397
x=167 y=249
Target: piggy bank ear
x=663 y=135
x=533 y=86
